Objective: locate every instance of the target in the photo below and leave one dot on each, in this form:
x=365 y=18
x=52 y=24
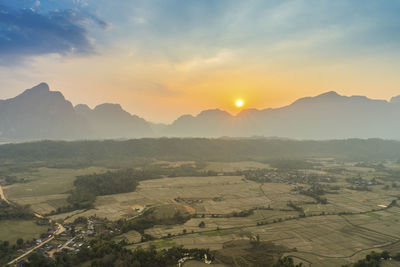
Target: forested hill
x=199 y=149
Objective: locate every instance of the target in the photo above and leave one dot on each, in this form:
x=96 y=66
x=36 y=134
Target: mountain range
x=39 y=113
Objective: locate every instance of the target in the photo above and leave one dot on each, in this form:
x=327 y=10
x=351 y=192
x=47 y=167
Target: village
x=65 y=238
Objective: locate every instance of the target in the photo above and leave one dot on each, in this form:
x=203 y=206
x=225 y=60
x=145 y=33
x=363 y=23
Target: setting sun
x=239 y=103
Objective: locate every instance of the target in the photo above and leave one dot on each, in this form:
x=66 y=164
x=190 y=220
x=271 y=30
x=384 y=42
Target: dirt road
x=30 y=251
x=60 y=229
x=3 y=196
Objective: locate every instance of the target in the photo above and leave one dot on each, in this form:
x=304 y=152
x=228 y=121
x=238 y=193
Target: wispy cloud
x=27 y=32
x=221 y=57
x=157 y=89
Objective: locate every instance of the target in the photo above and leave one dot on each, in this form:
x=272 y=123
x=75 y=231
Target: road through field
x=30 y=251
x=60 y=229
x=3 y=196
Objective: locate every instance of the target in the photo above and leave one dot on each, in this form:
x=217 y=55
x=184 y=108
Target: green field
x=12 y=230
x=163 y=243
x=372 y=214
x=215 y=233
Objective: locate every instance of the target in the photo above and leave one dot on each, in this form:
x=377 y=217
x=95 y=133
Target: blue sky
x=199 y=54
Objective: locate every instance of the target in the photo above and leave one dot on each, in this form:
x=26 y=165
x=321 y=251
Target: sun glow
x=239 y=103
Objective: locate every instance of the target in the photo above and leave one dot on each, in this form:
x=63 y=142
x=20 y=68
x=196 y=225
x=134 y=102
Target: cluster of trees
x=108 y=183
x=295 y=207
x=374 y=259
x=185 y=170
x=287 y=262
x=8 y=251
x=89 y=153
x=285 y=174
x=243 y=213
x=9 y=179
x=87 y=187
x=315 y=195
x=148 y=220
x=8 y=212
x=258 y=175
x=104 y=253
x=291 y=164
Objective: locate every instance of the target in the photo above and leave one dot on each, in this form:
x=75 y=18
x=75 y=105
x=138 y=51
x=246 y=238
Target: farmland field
x=221 y=209
x=11 y=230
x=46 y=189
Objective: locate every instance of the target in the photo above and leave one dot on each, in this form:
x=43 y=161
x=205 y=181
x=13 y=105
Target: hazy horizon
x=234 y=113
x=40 y=113
x=162 y=59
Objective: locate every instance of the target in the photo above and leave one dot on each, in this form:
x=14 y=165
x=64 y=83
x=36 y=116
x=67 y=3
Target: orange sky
x=160 y=61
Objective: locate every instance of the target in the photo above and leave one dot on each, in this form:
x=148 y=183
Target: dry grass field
x=218 y=195
x=326 y=239
x=47 y=189
x=322 y=240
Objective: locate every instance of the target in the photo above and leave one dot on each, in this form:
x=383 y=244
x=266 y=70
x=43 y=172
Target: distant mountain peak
x=41 y=87
x=329 y=94
x=247 y=111
x=41 y=92
x=82 y=108
x=214 y=112
x=109 y=106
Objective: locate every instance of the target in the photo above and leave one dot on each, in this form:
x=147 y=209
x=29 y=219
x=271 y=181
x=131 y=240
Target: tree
x=73 y=230
x=202 y=224
x=286 y=262
x=20 y=242
x=37 y=260
x=385 y=255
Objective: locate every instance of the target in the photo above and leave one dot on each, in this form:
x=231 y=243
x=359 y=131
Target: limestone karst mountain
x=39 y=113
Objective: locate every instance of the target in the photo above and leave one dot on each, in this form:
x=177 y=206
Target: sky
x=163 y=58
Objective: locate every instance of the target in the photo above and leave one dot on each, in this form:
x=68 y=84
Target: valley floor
x=349 y=226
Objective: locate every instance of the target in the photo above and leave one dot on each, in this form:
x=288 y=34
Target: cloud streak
x=26 y=32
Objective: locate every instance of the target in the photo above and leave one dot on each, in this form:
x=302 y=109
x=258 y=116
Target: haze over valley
x=41 y=113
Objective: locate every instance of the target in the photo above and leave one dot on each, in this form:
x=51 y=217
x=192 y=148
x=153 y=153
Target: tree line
x=8 y=212
x=89 y=153
x=103 y=253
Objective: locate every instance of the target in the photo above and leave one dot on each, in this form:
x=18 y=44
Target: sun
x=239 y=103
